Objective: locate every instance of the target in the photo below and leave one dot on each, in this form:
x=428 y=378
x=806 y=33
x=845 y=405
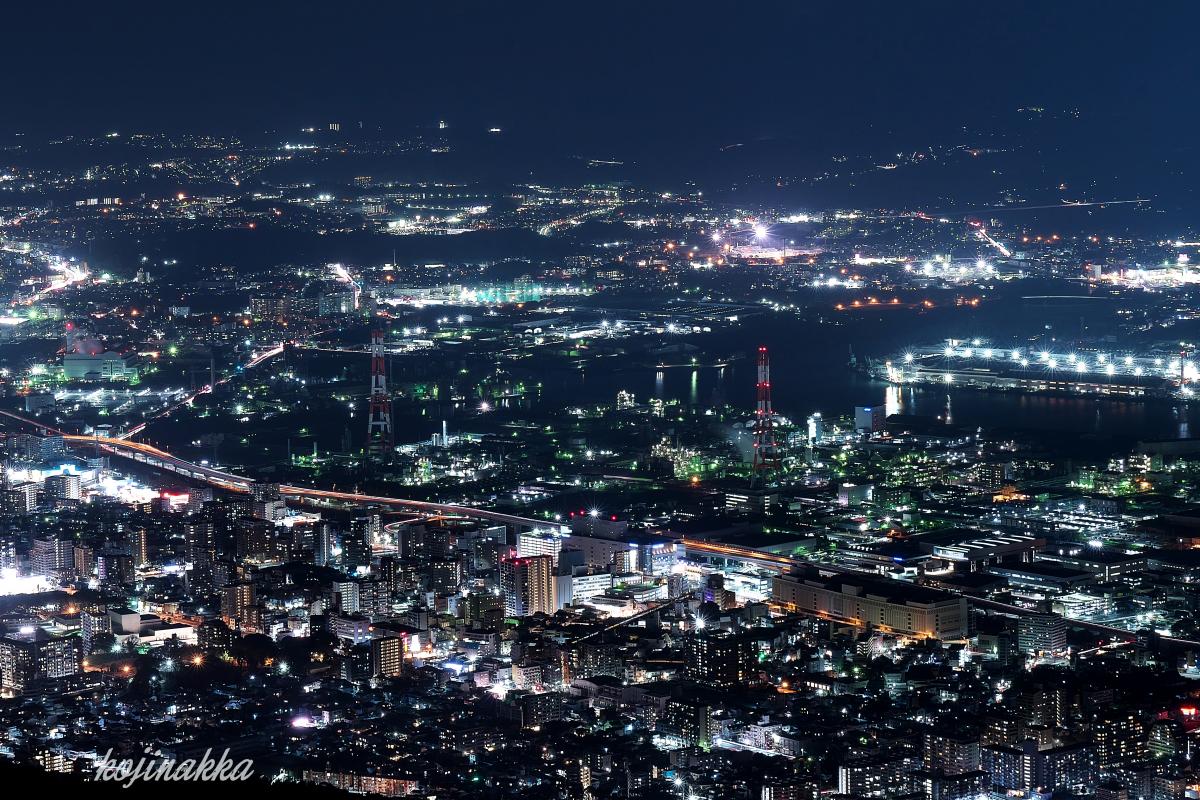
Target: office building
x=1039 y=634
x=66 y=486
x=539 y=543
x=527 y=585
x=1027 y=766
x=719 y=658
x=30 y=654
x=236 y=601
x=387 y=656
x=890 y=606
x=356 y=544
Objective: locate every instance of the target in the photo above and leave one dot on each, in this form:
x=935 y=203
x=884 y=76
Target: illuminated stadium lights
x=11 y=583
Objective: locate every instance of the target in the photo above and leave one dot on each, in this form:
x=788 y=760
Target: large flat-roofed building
x=885 y=604
x=1108 y=565
x=975 y=549
x=1043 y=575
x=106 y=366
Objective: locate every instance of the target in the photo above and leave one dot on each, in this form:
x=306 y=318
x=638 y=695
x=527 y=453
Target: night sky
x=633 y=72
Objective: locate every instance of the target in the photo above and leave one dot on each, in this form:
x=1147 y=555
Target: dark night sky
x=654 y=71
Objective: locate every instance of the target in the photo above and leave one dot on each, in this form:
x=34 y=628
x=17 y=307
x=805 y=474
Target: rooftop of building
x=889 y=591
x=1095 y=555
x=1045 y=569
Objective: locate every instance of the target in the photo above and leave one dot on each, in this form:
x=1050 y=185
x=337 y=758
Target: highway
x=124 y=447
x=704 y=549
x=623 y=621
x=983 y=234
x=161 y=459
x=451 y=509
x=254 y=361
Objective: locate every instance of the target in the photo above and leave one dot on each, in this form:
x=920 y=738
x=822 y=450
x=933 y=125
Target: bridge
x=695 y=548
x=161 y=459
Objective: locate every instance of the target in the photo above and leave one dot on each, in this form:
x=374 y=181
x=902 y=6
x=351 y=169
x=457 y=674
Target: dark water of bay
x=810 y=371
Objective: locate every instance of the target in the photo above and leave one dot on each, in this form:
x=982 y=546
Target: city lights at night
x=601 y=402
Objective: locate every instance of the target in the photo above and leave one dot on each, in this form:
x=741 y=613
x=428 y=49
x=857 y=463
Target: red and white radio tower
x=379 y=417
x=766 y=452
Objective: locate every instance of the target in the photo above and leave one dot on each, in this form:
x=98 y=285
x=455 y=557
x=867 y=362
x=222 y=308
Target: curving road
x=161 y=459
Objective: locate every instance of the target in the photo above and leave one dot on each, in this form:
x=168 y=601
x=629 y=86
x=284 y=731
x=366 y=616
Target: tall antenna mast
x=766 y=452
x=379 y=416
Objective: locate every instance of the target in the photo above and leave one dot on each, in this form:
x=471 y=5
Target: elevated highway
x=696 y=548
x=161 y=459
x=158 y=458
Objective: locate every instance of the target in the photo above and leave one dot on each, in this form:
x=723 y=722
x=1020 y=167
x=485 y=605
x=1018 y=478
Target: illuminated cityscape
x=757 y=402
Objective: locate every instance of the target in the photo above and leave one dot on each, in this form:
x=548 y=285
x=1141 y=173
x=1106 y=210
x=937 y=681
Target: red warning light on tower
x=766 y=451
x=379 y=417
